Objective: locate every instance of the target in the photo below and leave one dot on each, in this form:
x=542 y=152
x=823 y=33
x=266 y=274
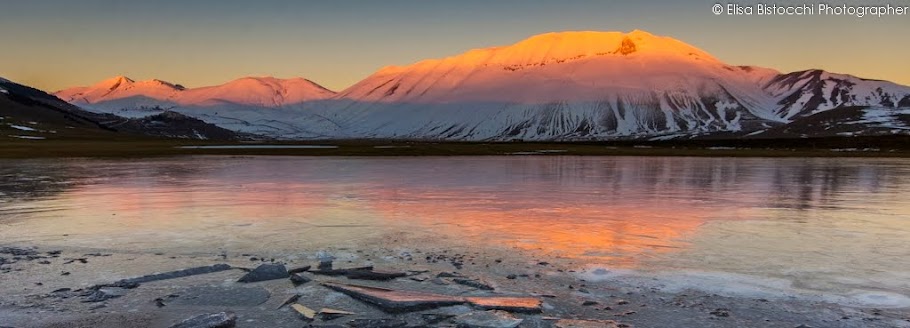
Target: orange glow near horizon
x=60 y=44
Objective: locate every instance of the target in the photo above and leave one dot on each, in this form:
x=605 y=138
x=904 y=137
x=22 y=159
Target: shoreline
x=145 y=147
x=565 y=293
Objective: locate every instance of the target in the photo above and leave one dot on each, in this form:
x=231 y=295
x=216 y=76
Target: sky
x=55 y=44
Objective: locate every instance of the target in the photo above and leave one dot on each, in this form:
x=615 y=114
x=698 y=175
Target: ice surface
x=820 y=228
x=741 y=285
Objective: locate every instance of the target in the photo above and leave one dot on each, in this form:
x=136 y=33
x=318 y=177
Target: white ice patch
x=22 y=128
x=27 y=137
x=597 y=274
x=865 y=298
x=742 y=285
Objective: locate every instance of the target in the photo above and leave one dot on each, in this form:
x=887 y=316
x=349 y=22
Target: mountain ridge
x=30 y=114
x=271 y=91
x=576 y=85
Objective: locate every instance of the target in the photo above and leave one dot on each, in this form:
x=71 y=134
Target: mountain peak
x=122 y=82
x=166 y=84
x=256 y=78
x=263 y=79
x=298 y=83
x=114 y=83
x=560 y=47
x=120 y=78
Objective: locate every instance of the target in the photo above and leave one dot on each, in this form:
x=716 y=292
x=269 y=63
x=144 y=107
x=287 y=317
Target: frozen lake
x=832 y=228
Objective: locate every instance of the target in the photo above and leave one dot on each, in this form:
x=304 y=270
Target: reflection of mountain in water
x=608 y=208
x=786 y=183
x=33 y=180
x=612 y=208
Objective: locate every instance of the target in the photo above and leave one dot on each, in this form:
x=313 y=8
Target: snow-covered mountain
x=27 y=113
x=570 y=85
x=591 y=85
x=555 y=86
x=263 y=92
x=809 y=92
x=261 y=105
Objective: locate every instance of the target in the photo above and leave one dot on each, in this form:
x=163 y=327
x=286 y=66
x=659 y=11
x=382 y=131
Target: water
x=834 y=228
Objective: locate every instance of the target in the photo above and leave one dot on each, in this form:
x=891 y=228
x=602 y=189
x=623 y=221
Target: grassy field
x=146 y=147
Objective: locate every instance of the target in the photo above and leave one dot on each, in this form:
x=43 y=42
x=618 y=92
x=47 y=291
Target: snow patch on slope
x=21 y=128
x=885 y=118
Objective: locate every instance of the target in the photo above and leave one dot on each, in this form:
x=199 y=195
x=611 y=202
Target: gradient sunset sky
x=55 y=44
